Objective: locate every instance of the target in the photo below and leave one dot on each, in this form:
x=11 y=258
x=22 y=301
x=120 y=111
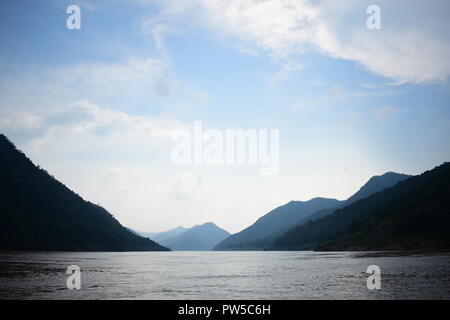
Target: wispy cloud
x=113 y=78
x=89 y=122
x=286 y=28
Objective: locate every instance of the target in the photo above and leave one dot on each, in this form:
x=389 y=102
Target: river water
x=224 y=275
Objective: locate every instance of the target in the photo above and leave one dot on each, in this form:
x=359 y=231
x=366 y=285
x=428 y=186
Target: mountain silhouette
x=161 y=236
x=266 y=228
x=37 y=212
x=414 y=214
x=279 y=221
x=374 y=184
x=200 y=237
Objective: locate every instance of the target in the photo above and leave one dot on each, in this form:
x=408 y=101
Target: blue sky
x=93 y=106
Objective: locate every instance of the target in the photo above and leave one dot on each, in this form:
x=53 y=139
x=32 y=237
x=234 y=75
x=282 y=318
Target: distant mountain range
x=161 y=236
x=37 y=212
x=273 y=224
x=198 y=238
x=280 y=220
x=414 y=214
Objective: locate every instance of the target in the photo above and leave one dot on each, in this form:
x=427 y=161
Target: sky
x=97 y=106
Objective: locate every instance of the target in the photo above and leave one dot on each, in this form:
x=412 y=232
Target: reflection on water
x=224 y=275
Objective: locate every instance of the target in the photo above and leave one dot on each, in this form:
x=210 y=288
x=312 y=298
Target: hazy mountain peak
x=281 y=219
x=200 y=237
x=312 y=200
x=180 y=228
x=208 y=224
x=161 y=236
x=411 y=214
x=376 y=184
x=275 y=221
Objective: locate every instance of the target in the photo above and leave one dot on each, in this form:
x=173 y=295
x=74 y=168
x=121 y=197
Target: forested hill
x=273 y=224
x=412 y=215
x=37 y=212
x=282 y=219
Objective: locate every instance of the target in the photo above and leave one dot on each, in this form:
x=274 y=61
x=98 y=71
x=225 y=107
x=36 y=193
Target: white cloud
x=114 y=78
x=412 y=45
x=185 y=186
x=143 y=83
x=90 y=122
x=287 y=69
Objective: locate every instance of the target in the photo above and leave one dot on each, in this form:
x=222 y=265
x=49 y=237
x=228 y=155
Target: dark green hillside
x=37 y=212
x=282 y=219
x=413 y=214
